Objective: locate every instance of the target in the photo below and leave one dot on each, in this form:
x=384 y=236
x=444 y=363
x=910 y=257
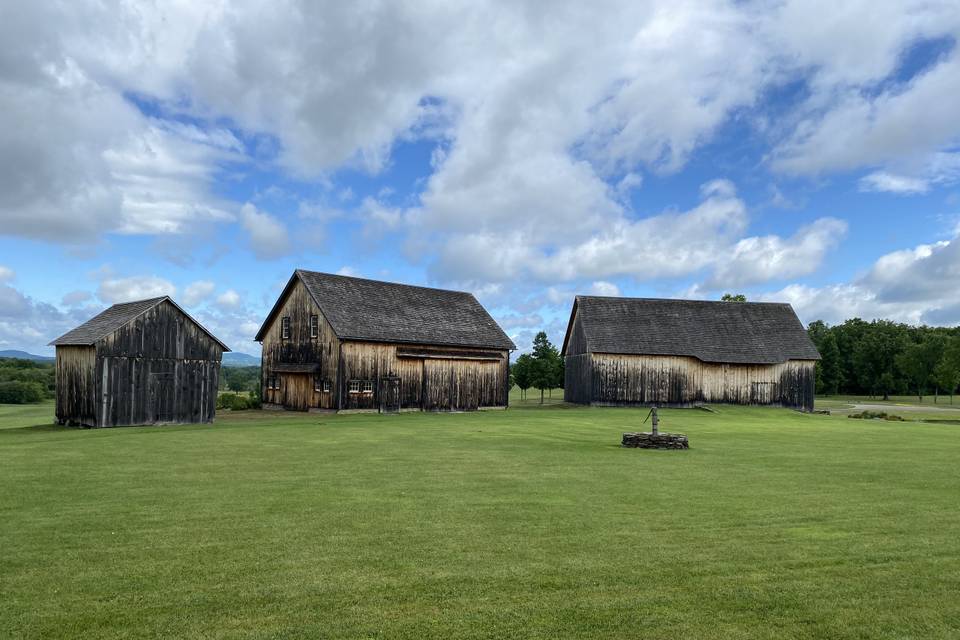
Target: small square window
x=314 y=326
x=354 y=386
x=285 y=328
x=326 y=386
x=368 y=386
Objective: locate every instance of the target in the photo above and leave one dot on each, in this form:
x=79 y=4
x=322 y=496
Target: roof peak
x=390 y=282
x=694 y=300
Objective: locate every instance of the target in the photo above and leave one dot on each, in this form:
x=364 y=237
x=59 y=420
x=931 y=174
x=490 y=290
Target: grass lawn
x=527 y=523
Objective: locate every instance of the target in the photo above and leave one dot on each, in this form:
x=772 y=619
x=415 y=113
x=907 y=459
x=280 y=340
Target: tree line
x=26 y=381
x=884 y=358
x=541 y=369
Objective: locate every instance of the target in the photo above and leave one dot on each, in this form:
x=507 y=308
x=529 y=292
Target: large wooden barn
x=143 y=362
x=626 y=351
x=339 y=343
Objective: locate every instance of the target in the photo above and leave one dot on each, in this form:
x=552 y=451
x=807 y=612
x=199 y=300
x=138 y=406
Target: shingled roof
x=361 y=309
x=734 y=332
x=111 y=319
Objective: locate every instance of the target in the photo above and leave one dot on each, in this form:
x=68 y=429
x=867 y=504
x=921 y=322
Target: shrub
x=18 y=392
x=876 y=415
x=233 y=402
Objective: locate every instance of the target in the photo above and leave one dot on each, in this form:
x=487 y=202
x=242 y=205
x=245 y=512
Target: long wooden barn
x=641 y=351
x=338 y=343
x=142 y=362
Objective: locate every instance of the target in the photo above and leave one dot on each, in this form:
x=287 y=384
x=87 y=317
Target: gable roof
x=111 y=319
x=734 y=332
x=361 y=309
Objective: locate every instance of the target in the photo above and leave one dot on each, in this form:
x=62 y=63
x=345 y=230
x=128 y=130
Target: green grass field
x=527 y=523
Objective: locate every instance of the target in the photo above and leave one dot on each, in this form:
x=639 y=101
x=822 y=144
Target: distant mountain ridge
x=236 y=359
x=23 y=355
x=229 y=359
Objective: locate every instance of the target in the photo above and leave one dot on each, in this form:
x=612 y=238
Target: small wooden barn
x=338 y=343
x=143 y=362
x=640 y=351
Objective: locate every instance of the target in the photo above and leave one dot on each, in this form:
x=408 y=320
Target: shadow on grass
x=37 y=428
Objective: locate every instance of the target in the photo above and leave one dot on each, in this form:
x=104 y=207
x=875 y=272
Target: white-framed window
x=285 y=328
x=326 y=386
x=368 y=386
x=273 y=382
x=314 y=326
x=354 y=386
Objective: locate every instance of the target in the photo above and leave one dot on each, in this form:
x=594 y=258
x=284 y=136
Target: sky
x=806 y=152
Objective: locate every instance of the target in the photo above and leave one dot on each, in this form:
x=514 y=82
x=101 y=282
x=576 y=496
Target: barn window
x=354 y=386
x=314 y=326
x=319 y=384
x=368 y=386
x=285 y=328
x=326 y=386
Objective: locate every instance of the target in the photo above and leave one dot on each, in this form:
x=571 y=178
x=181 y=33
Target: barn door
x=162 y=398
x=390 y=395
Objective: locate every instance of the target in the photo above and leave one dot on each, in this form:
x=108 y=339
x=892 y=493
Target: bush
x=876 y=415
x=17 y=392
x=234 y=402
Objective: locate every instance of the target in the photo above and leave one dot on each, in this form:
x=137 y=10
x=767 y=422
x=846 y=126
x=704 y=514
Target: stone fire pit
x=647 y=440
x=654 y=439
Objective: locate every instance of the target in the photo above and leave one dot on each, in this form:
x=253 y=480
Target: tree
x=829 y=373
x=947 y=371
x=918 y=361
x=733 y=297
x=545 y=364
x=522 y=374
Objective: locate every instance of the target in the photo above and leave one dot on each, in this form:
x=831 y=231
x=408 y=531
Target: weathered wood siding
x=76 y=385
x=159 y=368
x=138 y=390
x=297 y=388
x=454 y=379
x=616 y=379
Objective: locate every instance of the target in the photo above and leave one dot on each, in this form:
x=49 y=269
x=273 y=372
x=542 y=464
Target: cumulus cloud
x=760 y=259
x=196 y=292
x=113 y=290
x=6 y=273
x=229 y=299
x=919 y=285
x=892 y=183
x=268 y=235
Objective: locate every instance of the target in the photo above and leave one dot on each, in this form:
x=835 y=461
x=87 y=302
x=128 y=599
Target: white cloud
x=6 y=273
x=603 y=288
x=197 y=292
x=919 y=285
x=113 y=290
x=891 y=183
x=268 y=235
x=347 y=270
x=229 y=299
x=760 y=259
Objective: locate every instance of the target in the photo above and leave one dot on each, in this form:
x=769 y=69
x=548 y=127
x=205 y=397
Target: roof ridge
x=389 y=282
x=646 y=299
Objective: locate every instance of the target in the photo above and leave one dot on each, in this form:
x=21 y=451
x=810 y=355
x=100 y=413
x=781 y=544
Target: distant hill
x=23 y=355
x=235 y=359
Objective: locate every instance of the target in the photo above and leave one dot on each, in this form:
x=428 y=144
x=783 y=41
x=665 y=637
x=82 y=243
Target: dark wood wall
x=431 y=378
x=297 y=387
x=159 y=368
x=618 y=379
x=427 y=377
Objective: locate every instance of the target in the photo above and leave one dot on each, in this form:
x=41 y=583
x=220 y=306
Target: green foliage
x=26 y=381
x=881 y=358
x=522 y=373
x=238 y=402
x=546 y=369
x=876 y=415
x=733 y=297
x=947 y=372
x=240 y=378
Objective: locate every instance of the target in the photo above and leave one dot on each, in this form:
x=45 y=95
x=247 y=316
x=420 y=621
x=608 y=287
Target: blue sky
x=794 y=151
